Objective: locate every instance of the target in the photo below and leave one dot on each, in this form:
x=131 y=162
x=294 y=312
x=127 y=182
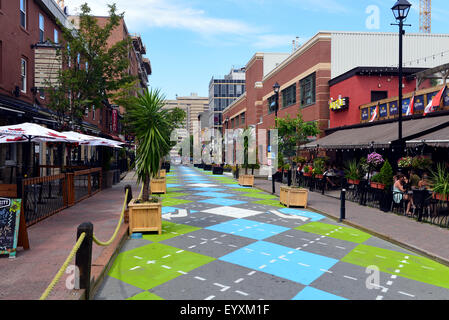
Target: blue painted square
x=236 y=186
x=303 y=213
x=298 y=266
x=214 y=194
x=172 y=185
x=248 y=229
x=310 y=293
x=222 y=202
x=169 y=210
x=209 y=189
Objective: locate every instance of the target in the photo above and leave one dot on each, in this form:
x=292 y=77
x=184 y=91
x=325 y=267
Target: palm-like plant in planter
x=150 y=125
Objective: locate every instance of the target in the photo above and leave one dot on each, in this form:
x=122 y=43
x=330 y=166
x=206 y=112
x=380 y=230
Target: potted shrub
x=318 y=168
x=151 y=126
x=440 y=182
x=376 y=182
x=353 y=172
x=308 y=170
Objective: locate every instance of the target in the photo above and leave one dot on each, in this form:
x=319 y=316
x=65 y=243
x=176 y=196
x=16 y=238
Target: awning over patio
x=380 y=135
x=439 y=138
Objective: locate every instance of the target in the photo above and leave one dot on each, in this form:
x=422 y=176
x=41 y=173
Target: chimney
x=293 y=46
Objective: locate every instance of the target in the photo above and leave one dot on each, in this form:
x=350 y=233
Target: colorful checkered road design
x=226 y=242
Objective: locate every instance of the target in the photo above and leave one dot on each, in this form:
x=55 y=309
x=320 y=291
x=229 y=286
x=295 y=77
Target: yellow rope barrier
x=105 y=244
x=63 y=268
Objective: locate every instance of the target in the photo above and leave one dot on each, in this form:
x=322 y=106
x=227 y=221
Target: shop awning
x=439 y=138
x=378 y=135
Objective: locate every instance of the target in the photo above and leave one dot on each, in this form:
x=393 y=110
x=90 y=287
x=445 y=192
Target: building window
x=41 y=27
x=308 y=90
x=93 y=113
x=289 y=96
x=42 y=94
x=271 y=104
x=56 y=36
x=232 y=123
x=242 y=118
x=23 y=13
x=237 y=123
x=23 y=75
x=378 y=95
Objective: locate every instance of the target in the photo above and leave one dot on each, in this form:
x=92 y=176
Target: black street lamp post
x=400 y=11
x=276 y=89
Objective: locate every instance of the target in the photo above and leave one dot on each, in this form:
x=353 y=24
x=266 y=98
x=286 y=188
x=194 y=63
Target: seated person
x=425 y=182
x=399 y=192
x=329 y=174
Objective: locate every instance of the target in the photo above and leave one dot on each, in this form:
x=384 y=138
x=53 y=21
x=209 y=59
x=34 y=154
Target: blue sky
x=189 y=41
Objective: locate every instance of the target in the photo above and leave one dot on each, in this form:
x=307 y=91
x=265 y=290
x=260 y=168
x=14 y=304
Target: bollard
x=83 y=259
x=343 y=205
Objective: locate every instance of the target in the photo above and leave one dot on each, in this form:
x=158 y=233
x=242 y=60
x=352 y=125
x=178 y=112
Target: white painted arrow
x=284 y=216
x=182 y=213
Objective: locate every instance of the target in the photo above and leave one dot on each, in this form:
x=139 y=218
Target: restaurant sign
x=339 y=104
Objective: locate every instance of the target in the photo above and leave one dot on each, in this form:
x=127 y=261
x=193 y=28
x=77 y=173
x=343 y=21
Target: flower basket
x=319 y=176
x=405 y=162
x=307 y=174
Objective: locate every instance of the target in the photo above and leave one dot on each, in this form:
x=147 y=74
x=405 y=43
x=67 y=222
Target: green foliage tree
x=93 y=72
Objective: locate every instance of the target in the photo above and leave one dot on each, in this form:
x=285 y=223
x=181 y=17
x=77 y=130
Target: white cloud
x=141 y=14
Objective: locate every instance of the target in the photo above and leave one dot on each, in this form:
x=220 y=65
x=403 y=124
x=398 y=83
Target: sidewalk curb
x=404 y=245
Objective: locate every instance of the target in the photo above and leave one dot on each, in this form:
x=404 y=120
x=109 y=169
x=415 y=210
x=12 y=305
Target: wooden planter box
x=145 y=217
x=246 y=180
x=158 y=186
x=356 y=182
x=377 y=185
x=295 y=197
x=162 y=173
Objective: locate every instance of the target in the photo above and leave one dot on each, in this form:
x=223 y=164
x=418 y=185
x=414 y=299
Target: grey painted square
x=268 y=217
x=201 y=220
x=348 y=281
x=220 y=280
x=376 y=242
x=113 y=289
x=209 y=243
x=406 y=289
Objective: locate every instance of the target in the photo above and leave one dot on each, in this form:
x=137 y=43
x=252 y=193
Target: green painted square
x=169 y=230
x=256 y=195
x=145 y=296
x=272 y=203
x=337 y=232
x=154 y=264
x=173 y=189
x=173 y=195
x=173 y=202
x=414 y=267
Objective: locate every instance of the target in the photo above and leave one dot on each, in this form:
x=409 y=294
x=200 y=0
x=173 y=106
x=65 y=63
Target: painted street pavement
x=221 y=241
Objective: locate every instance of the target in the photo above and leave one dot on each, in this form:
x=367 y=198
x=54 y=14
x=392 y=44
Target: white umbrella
x=31 y=132
x=87 y=140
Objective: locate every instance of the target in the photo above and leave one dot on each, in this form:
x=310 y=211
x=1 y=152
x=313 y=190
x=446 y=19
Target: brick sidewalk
x=27 y=276
x=423 y=238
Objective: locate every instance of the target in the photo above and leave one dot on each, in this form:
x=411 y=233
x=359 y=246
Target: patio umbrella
x=32 y=132
x=87 y=140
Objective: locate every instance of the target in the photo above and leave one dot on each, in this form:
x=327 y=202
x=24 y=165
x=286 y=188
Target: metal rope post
x=343 y=205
